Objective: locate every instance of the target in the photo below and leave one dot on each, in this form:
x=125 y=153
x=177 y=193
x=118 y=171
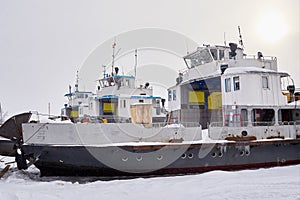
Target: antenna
x=77 y=81
x=225 y=38
x=187 y=46
x=113 y=57
x=135 y=64
x=104 y=71
x=240 y=35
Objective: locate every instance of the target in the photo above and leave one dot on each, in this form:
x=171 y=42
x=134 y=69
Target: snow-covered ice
x=272 y=183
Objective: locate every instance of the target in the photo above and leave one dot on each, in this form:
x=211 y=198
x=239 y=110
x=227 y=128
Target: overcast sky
x=43 y=43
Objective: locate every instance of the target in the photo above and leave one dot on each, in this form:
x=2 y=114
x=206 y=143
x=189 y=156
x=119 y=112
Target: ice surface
x=272 y=183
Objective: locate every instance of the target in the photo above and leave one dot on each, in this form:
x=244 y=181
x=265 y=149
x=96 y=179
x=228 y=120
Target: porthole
x=220 y=154
x=191 y=155
x=242 y=153
x=244 y=133
x=183 y=156
x=160 y=157
x=247 y=153
x=125 y=159
x=139 y=158
x=213 y=155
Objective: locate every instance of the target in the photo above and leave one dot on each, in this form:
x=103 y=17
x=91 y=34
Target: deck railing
x=245 y=123
x=183 y=124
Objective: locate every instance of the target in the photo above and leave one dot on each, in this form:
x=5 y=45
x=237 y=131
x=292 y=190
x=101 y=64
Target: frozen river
x=273 y=183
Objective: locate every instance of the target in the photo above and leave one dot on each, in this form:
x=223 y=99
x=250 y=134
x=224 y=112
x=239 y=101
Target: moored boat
x=227 y=111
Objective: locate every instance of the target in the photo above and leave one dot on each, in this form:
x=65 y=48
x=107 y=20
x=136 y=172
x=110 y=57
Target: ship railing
x=263 y=123
x=265 y=58
x=282 y=123
x=229 y=124
x=181 y=124
x=245 y=123
x=216 y=124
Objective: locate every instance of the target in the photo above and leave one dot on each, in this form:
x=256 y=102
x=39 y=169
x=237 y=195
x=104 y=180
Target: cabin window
x=265 y=83
x=174 y=95
x=221 y=54
x=227 y=85
x=236 y=83
x=263 y=117
x=289 y=116
x=124 y=103
x=214 y=53
x=244 y=117
x=169 y=95
x=198 y=58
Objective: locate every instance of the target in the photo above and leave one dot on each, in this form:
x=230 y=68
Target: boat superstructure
x=225 y=87
x=115 y=97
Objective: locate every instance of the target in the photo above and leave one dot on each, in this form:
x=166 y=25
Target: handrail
x=183 y=124
x=262 y=123
x=265 y=58
x=289 y=122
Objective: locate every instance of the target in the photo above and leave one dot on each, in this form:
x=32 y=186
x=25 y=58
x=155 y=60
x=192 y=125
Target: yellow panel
x=215 y=100
x=74 y=113
x=287 y=94
x=108 y=107
x=196 y=97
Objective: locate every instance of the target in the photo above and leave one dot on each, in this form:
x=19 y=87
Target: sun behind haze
x=272 y=27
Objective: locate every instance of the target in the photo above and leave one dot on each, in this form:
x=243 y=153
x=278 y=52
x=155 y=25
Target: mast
x=76 y=82
x=113 y=57
x=104 y=71
x=135 y=64
x=240 y=35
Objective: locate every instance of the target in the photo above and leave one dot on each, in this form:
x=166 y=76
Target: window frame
x=236 y=83
x=227 y=84
x=174 y=95
x=265 y=82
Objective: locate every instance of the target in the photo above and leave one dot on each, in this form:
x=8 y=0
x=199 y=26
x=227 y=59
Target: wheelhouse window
x=265 y=82
x=227 y=85
x=169 y=95
x=221 y=54
x=174 y=95
x=263 y=117
x=236 y=83
x=200 y=57
x=214 y=53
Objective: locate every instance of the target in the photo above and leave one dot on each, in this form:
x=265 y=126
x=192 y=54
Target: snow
x=295 y=103
x=271 y=183
x=2 y=138
x=238 y=70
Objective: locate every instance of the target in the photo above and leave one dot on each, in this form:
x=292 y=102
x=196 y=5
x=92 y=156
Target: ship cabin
x=117 y=94
x=78 y=103
x=252 y=95
x=224 y=87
